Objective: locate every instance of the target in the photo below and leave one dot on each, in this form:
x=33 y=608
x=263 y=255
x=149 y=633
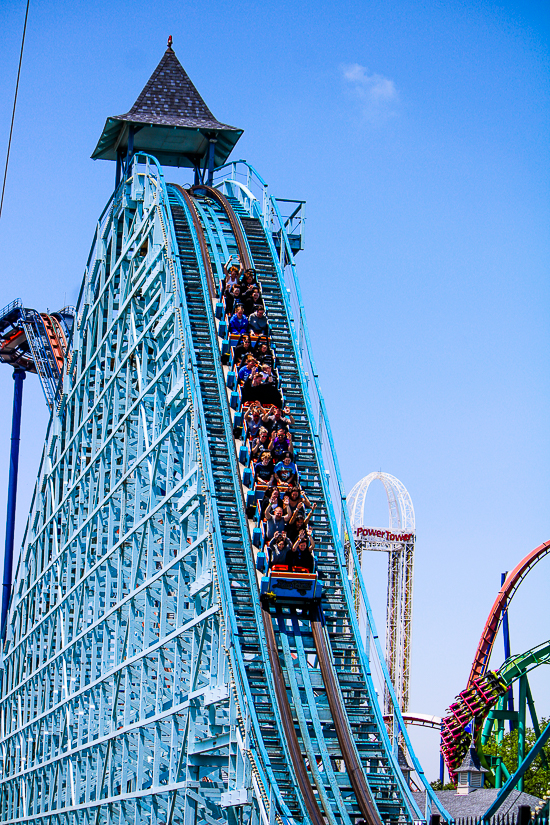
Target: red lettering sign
x=383 y=534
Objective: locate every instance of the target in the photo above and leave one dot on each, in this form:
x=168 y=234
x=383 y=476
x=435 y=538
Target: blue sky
x=418 y=134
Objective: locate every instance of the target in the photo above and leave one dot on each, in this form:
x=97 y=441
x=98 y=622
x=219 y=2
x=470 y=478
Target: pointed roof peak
x=170 y=98
x=180 y=123
x=471 y=762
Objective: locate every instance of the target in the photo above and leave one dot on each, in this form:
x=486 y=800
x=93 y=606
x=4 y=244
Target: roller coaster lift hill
x=157 y=666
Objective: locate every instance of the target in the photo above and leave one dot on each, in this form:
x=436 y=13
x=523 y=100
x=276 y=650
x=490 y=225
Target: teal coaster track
x=143 y=680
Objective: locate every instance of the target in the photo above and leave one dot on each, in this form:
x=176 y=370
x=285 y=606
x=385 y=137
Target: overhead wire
x=14 y=106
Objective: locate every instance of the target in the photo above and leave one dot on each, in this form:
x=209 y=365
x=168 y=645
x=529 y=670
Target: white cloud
x=377 y=94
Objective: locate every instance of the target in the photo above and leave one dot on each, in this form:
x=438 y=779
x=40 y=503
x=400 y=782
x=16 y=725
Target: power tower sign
x=380 y=539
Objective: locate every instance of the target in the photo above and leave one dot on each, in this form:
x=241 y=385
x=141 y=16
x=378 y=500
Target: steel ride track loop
x=477 y=699
x=505 y=594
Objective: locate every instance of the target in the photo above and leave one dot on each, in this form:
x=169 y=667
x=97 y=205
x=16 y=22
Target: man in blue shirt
x=285 y=470
x=246 y=371
x=239 y=322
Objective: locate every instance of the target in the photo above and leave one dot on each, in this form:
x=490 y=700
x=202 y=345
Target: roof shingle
x=476 y=802
x=170 y=121
x=169 y=98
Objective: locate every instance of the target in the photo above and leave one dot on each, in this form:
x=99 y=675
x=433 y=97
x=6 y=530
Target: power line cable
x=14 y=105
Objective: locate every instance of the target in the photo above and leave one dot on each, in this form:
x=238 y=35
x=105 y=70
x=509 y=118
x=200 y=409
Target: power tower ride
x=143 y=680
x=398 y=542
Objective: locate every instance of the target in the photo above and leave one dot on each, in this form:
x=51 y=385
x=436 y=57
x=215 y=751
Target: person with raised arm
x=233 y=272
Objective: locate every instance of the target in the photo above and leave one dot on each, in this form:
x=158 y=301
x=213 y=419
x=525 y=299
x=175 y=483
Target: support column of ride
x=18 y=378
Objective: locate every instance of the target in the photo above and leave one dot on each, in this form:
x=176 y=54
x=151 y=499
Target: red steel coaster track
x=505 y=594
x=483 y=686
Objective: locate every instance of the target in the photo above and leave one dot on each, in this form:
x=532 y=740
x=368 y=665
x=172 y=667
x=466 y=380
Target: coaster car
x=290 y=586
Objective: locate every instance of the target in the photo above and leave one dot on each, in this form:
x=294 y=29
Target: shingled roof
x=170 y=120
x=476 y=803
x=471 y=763
x=171 y=99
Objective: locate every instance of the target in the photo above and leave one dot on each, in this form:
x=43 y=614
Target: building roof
x=476 y=802
x=170 y=120
x=471 y=763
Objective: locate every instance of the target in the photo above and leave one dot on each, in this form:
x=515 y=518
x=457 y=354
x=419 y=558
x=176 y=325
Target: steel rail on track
x=293 y=745
x=234 y=222
x=511 y=670
x=284 y=813
x=520 y=664
x=200 y=237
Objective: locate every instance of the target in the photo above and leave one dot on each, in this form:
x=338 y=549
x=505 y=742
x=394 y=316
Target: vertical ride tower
x=398 y=542
x=143 y=680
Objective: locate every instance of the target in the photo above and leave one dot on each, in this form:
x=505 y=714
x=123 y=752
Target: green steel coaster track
x=514 y=669
x=143 y=680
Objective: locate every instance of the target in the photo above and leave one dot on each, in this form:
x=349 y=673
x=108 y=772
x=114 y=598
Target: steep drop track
x=353 y=690
x=228 y=495
x=505 y=594
x=222 y=226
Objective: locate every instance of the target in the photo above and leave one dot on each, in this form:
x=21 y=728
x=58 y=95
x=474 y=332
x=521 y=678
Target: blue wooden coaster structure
x=143 y=679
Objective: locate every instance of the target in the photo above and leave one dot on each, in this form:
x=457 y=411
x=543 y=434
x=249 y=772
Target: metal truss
x=121 y=700
x=125 y=693
x=36 y=342
x=400 y=578
x=399 y=502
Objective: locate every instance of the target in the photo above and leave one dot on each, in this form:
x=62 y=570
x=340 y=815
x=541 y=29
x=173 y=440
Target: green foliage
x=438 y=786
x=537 y=776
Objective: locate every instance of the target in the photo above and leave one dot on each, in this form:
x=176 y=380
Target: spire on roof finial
x=170 y=42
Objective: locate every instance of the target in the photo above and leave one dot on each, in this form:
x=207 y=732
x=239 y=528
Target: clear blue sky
x=418 y=134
